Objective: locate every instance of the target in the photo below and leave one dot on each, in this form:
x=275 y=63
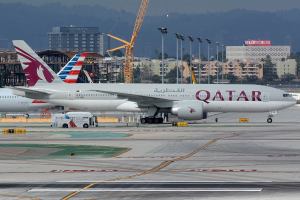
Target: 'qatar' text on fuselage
x=230 y=95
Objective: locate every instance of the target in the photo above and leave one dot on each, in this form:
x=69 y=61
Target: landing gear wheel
x=85 y=126
x=152 y=120
x=65 y=126
x=156 y=120
x=269 y=120
x=143 y=121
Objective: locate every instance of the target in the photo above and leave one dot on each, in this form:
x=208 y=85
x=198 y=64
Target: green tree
x=146 y=73
x=137 y=75
x=269 y=70
x=165 y=56
x=186 y=57
x=296 y=56
x=232 y=78
x=287 y=78
x=172 y=76
x=251 y=79
x=156 y=79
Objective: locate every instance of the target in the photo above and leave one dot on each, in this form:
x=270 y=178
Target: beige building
x=257 y=53
x=241 y=70
x=155 y=65
x=286 y=67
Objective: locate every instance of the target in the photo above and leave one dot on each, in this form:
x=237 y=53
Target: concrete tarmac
x=226 y=160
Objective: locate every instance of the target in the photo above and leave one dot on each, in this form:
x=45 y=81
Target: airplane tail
x=70 y=72
x=35 y=69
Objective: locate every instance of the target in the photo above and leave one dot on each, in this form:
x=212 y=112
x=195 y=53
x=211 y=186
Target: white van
x=74 y=120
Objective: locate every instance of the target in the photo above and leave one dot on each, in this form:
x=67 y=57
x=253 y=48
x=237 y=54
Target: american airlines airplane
x=186 y=101
x=13 y=103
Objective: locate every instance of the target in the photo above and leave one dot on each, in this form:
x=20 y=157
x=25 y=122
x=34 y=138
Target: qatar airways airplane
x=13 y=103
x=186 y=101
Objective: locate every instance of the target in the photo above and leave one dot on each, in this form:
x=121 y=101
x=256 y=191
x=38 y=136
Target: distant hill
x=31 y=23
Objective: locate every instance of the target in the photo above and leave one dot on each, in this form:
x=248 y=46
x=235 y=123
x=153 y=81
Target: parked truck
x=74 y=120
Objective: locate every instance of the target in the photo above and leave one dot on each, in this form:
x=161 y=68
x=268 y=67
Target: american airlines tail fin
x=35 y=69
x=70 y=72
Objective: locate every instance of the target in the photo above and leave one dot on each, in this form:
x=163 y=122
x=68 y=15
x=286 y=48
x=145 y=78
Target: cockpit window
x=287 y=95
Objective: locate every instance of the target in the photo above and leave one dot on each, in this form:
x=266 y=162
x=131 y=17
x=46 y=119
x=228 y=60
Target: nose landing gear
x=270 y=116
x=269 y=120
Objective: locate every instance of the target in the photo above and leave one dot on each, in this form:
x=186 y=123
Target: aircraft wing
x=30 y=93
x=141 y=100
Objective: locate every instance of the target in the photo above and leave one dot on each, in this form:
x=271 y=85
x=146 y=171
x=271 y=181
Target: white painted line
x=149 y=190
x=99 y=181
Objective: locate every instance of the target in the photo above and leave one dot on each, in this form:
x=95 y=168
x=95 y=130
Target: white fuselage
x=216 y=97
x=13 y=103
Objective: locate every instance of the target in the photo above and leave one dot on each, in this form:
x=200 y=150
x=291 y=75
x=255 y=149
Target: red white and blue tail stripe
x=70 y=72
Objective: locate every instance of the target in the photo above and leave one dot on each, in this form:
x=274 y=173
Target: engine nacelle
x=189 y=110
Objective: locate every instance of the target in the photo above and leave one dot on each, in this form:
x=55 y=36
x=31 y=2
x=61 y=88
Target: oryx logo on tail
x=33 y=69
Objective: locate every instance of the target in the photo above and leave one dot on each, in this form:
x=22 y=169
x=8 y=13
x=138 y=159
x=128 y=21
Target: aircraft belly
x=246 y=106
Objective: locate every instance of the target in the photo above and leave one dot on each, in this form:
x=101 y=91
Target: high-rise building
x=76 y=39
x=257 y=51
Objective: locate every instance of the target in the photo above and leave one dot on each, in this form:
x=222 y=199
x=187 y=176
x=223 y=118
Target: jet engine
x=189 y=110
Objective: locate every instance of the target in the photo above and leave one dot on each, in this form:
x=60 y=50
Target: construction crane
x=128 y=46
x=194 y=79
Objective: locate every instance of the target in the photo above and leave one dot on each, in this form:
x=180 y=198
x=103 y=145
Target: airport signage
x=258 y=43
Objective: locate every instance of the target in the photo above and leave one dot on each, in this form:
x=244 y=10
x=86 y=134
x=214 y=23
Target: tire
x=65 y=126
x=143 y=121
x=161 y=120
x=269 y=120
x=156 y=121
x=151 y=120
x=85 y=126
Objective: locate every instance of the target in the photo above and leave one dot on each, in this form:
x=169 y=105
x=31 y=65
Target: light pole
x=163 y=31
x=191 y=59
x=199 y=51
x=181 y=56
x=208 y=59
x=223 y=51
x=217 y=63
x=178 y=37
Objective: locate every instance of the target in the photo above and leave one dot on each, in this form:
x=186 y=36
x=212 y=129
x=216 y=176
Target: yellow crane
x=193 y=76
x=128 y=45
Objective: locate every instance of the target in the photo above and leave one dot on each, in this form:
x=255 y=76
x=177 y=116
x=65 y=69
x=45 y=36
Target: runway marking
x=152 y=190
x=150 y=182
x=155 y=169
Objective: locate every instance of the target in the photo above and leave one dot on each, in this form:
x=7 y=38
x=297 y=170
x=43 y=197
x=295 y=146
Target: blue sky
x=162 y=7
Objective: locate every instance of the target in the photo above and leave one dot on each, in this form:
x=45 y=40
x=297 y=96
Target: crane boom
x=128 y=68
x=139 y=19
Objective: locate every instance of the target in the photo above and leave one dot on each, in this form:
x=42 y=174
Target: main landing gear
x=152 y=117
x=152 y=120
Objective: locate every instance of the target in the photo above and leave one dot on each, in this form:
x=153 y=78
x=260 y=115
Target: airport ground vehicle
x=74 y=120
